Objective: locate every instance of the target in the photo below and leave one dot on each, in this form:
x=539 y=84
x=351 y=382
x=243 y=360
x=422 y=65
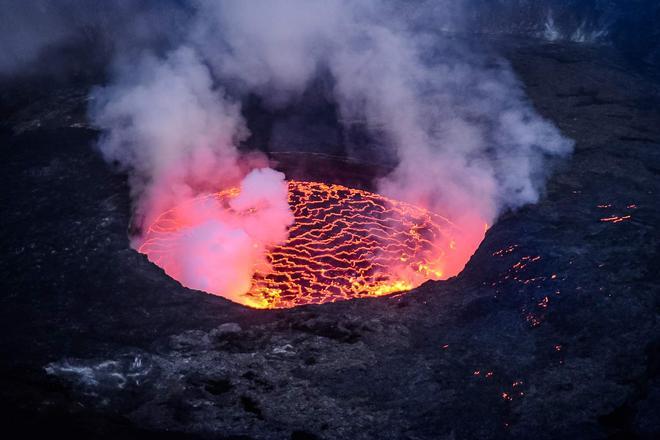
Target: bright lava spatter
x=345 y=243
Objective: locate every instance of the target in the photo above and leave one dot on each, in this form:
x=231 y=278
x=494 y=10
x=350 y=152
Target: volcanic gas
x=344 y=243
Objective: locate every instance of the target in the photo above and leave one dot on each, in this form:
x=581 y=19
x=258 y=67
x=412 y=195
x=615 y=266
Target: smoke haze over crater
x=466 y=141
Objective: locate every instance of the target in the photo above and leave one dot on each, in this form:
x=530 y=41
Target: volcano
x=545 y=326
x=345 y=243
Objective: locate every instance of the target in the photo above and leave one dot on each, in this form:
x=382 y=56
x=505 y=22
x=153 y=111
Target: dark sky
x=30 y=30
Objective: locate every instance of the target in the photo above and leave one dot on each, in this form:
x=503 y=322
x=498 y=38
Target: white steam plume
x=217 y=250
x=166 y=123
x=467 y=142
x=175 y=133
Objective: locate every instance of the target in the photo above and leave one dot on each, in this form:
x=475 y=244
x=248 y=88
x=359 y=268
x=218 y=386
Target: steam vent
x=330 y=219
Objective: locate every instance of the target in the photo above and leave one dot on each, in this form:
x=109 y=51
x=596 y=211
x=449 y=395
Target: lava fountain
x=344 y=243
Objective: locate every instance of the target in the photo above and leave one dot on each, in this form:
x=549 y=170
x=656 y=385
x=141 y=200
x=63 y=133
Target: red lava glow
x=344 y=243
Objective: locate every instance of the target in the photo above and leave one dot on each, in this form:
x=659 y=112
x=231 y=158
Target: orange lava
x=345 y=243
x=616 y=219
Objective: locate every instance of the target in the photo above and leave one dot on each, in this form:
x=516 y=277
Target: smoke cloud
x=217 y=249
x=466 y=141
x=175 y=133
x=166 y=123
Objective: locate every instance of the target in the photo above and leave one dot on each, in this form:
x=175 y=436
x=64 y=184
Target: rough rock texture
x=550 y=332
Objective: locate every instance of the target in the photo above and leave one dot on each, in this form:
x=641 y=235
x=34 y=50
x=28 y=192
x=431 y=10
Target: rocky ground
x=550 y=332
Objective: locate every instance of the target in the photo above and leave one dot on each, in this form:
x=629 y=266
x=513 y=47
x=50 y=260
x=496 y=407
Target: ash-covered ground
x=551 y=331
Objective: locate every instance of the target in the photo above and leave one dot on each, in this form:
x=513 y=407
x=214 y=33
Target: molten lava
x=345 y=243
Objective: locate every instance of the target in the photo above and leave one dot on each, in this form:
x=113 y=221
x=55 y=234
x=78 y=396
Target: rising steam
x=218 y=248
x=466 y=140
x=175 y=133
x=167 y=124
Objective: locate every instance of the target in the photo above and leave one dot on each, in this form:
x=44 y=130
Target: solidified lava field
x=345 y=243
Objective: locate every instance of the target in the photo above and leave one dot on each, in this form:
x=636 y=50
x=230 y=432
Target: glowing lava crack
x=345 y=243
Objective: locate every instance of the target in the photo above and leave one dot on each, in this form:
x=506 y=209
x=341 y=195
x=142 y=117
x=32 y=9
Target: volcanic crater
x=551 y=328
x=344 y=243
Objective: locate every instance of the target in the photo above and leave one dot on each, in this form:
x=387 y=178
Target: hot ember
x=345 y=243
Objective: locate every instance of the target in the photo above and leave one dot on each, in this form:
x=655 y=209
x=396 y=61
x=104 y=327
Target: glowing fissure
x=344 y=243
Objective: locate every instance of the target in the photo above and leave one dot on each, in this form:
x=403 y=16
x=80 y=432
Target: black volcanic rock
x=551 y=331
